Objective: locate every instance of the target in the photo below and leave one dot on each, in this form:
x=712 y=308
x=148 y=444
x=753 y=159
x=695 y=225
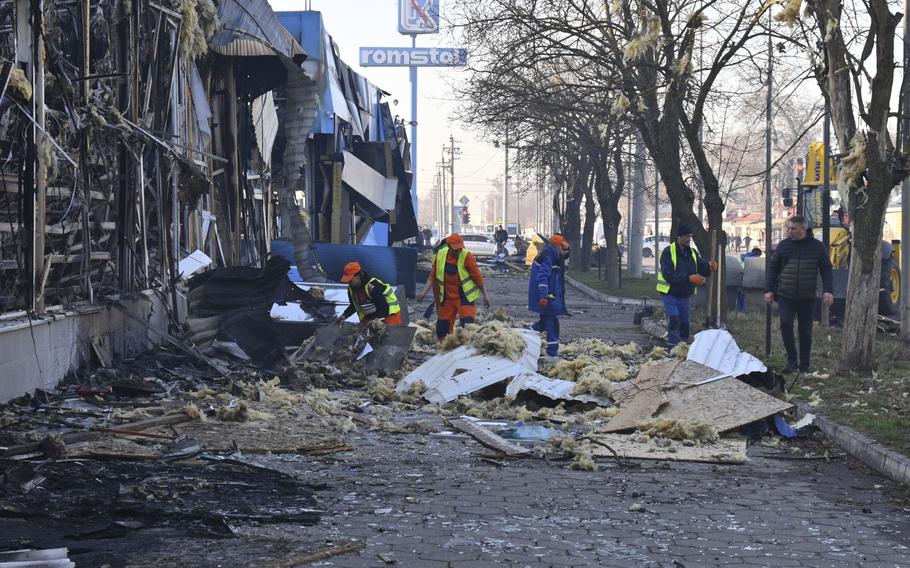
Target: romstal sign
x=415 y=17
x=413 y=57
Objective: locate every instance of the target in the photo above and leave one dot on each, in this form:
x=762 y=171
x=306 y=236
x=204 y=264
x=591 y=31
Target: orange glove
x=543 y=302
x=713 y=266
x=697 y=279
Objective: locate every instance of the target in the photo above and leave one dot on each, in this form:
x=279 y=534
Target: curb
x=887 y=462
x=595 y=295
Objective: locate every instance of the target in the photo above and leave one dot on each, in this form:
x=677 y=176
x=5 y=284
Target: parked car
x=484 y=245
x=647 y=249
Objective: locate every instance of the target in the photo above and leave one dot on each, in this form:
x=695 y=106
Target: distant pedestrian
x=741 y=292
x=427 y=237
x=747 y=241
x=369 y=297
x=457 y=284
x=792 y=283
x=547 y=290
x=739 y=242
x=501 y=237
x=682 y=272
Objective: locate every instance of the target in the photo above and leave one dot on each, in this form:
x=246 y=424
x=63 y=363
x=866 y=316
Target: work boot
x=804 y=368
x=790 y=368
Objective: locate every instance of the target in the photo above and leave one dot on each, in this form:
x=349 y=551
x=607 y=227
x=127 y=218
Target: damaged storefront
x=137 y=135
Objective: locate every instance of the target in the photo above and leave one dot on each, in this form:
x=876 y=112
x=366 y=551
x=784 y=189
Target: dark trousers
x=678 y=319
x=550 y=324
x=445 y=327
x=789 y=311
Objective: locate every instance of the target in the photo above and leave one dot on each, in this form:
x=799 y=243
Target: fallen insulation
x=678 y=430
x=491 y=338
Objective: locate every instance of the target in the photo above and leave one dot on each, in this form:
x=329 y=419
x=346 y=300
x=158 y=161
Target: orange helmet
x=455 y=241
x=558 y=239
x=351 y=270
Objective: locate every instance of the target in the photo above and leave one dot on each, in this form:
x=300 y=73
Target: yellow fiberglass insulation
x=200 y=22
x=594 y=347
x=658 y=353
x=790 y=13
x=382 y=389
x=490 y=338
x=19 y=85
x=321 y=402
x=272 y=390
x=681 y=351
x=679 y=430
x=597 y=379
x=642 y=43
x=193 y=412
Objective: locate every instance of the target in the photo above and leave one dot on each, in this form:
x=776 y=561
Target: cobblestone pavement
x=425 y=501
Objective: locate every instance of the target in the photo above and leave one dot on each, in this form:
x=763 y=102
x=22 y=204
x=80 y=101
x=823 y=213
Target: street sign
x=464 y=200
x=418 y=16
x=413 y=57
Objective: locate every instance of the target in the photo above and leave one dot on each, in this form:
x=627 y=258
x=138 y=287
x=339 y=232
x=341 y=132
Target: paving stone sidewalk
x=425 y=501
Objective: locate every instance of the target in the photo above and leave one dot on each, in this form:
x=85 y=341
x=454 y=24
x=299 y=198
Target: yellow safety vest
x=662 y=286
x=468 y=286
x=390 y=298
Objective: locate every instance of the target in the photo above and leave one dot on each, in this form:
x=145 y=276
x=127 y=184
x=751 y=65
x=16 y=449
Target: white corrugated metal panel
x=717 y=349
x=556 y=389
x=369 y=183
x=463 y=371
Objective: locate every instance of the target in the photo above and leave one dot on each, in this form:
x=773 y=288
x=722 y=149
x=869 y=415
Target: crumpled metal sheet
x=717 y=349
x=251 y=29
x=555 y=389
x=463 y=371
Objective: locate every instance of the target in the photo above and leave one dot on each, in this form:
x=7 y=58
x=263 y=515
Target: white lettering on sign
x=413 y=57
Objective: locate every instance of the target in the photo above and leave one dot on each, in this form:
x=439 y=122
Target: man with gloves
x=682 y=272
x=547 y=290
x=456 y=283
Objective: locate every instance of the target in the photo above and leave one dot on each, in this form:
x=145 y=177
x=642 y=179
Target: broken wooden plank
x=489 y=439
x=319 y=555
x=643 y=396
x=725 y=450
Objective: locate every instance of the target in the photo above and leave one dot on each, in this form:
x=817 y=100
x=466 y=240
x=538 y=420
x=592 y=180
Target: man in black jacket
x=792 y=282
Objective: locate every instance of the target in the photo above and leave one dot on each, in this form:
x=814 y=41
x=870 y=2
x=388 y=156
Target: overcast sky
x=374 y=23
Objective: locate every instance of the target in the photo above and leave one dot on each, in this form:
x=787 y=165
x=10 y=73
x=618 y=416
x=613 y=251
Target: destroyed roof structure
x=137 y=134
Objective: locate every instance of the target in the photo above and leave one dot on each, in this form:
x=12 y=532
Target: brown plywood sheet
x=642 y=398
x=725 y=404
x=726 y=450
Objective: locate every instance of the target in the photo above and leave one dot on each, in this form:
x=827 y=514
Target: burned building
x=135 y=134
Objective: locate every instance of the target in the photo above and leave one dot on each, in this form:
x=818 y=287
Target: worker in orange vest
x=370 y=297
x=457 y=284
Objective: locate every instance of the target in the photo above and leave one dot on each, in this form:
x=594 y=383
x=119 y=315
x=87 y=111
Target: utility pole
x=452 y=180
x=505 y=188
x=453 y=153
x=768 y=184
x=826 y=200
x=905 y=186
x=444 y=222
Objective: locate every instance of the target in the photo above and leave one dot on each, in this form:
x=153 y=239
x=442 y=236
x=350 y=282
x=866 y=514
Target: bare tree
x=855 y=71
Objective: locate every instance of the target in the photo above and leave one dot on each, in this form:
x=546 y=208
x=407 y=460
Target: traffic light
x=465 y=216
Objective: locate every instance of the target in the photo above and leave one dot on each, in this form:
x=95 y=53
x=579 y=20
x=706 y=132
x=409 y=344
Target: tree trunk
x=587 y=235
x=572 y=228
x=637 y=220
x=608 y=195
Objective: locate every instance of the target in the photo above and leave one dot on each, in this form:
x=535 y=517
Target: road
x=429 y=502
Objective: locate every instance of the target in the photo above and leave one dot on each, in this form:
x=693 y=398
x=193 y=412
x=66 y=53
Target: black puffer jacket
x=795 y=267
